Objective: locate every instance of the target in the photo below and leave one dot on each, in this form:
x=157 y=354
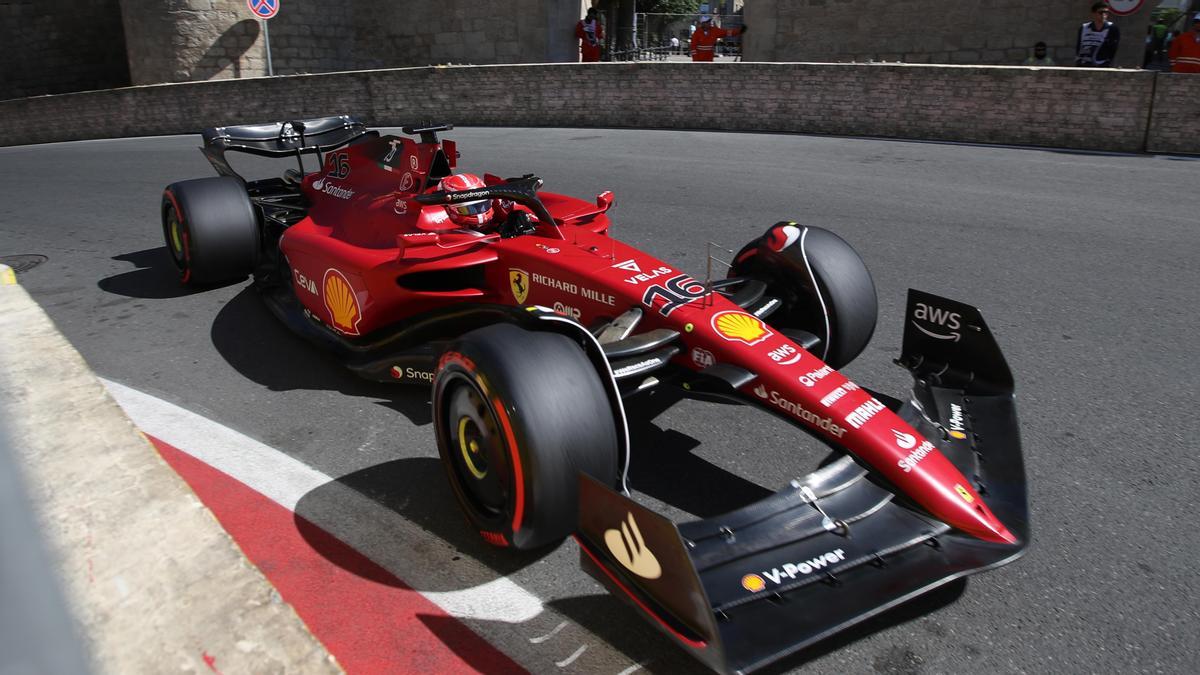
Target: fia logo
x=629 y=548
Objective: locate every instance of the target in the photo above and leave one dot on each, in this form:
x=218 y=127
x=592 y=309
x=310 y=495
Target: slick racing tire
x=211 y=229
x=518 y=414
x=823 y=283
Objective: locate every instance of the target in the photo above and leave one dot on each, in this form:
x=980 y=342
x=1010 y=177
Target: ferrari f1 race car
x=534 y=328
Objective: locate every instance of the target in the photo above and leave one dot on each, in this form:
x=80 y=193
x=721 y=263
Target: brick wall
x=999 y=32
x=1058 y=107
x=55 y=46
x=1175 y=124
x=219 y=39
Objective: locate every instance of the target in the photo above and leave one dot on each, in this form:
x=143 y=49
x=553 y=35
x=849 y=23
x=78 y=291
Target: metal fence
x=650 y=39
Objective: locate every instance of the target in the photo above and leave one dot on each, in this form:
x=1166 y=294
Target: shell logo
x=957 y=434
x=740 y=327
x=753 y=583
x=341 y=302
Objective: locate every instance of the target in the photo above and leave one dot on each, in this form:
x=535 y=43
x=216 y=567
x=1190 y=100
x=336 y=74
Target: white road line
x=263 y=468
x=571 y=659
x=632 y=669
x=547 y=636
x=284 y=480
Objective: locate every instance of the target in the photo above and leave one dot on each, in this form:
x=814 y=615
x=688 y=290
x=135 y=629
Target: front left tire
x=518 y=414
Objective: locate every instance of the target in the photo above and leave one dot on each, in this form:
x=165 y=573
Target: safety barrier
x=1091 y=109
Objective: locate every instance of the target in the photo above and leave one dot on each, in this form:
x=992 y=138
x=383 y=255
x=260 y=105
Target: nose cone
x=973 y=516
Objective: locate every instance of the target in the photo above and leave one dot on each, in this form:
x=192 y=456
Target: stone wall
x=1175 y=125
x=55 y=46
x=999 y=32
x=187 y=40
x=1056 y=107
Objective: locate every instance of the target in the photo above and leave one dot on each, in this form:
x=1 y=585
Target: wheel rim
x=176 y=236
x=477 y=450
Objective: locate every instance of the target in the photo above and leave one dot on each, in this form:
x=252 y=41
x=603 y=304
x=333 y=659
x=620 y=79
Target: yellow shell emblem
x=740 y=327
x=518 y=280
x=341 y=302
x=753 y=583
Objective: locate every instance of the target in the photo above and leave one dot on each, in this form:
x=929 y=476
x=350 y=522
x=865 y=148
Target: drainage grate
x=22 y=263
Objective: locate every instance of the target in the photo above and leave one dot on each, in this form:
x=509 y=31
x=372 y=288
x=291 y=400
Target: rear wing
x=746 y=588
x=281 y=139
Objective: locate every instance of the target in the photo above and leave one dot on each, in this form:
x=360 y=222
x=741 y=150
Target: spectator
x=704 y=40
x=591 y=35
x=674 y=45
x=1096 y=44
x=1185 y=49
x=1040 y=57
x=1158 y=39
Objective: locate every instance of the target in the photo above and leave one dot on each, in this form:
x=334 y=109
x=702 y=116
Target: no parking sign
x=1123 y=7
x=263 y=9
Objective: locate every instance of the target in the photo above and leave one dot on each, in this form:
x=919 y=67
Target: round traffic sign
x=1123 y=7
x=263 y=9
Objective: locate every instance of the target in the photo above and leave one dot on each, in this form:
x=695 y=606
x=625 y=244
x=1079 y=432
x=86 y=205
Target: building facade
x=58 y=46
x=988 y=32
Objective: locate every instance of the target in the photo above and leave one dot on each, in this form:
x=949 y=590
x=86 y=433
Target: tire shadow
x=663 y=466
x=156 y=277
x=365 y=522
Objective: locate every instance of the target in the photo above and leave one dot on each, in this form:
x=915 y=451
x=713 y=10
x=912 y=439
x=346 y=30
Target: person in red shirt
x=704 y=40
x=1185 y=50
x=591 y=36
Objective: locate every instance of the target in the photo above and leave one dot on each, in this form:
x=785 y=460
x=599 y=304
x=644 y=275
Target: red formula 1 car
x=534 y=327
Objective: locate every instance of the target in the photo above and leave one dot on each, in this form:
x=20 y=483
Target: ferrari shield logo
x=519 y=281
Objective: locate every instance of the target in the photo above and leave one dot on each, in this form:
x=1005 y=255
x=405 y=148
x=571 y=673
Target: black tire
x=211 y=229
x=518 y=414
x=824 y=285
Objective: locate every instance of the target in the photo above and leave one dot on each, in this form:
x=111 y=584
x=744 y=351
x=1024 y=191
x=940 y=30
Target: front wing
x=833 y=548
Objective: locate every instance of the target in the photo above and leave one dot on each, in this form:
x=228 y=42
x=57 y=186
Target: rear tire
x=824 y=285
x=211 y=229
x=518 y=415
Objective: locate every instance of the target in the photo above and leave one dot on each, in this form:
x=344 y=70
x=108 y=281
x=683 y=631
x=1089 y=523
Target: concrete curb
x=153 y=581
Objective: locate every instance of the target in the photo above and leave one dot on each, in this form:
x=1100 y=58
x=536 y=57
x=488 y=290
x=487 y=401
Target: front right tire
x=824 y=285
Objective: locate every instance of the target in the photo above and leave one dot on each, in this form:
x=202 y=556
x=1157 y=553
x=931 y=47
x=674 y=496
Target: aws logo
x=341 y=301
x=947 y=323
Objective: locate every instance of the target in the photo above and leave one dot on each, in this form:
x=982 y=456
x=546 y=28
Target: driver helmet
x=468 y=214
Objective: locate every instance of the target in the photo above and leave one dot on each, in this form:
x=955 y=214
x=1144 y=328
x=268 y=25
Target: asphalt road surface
x=1084 y=265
